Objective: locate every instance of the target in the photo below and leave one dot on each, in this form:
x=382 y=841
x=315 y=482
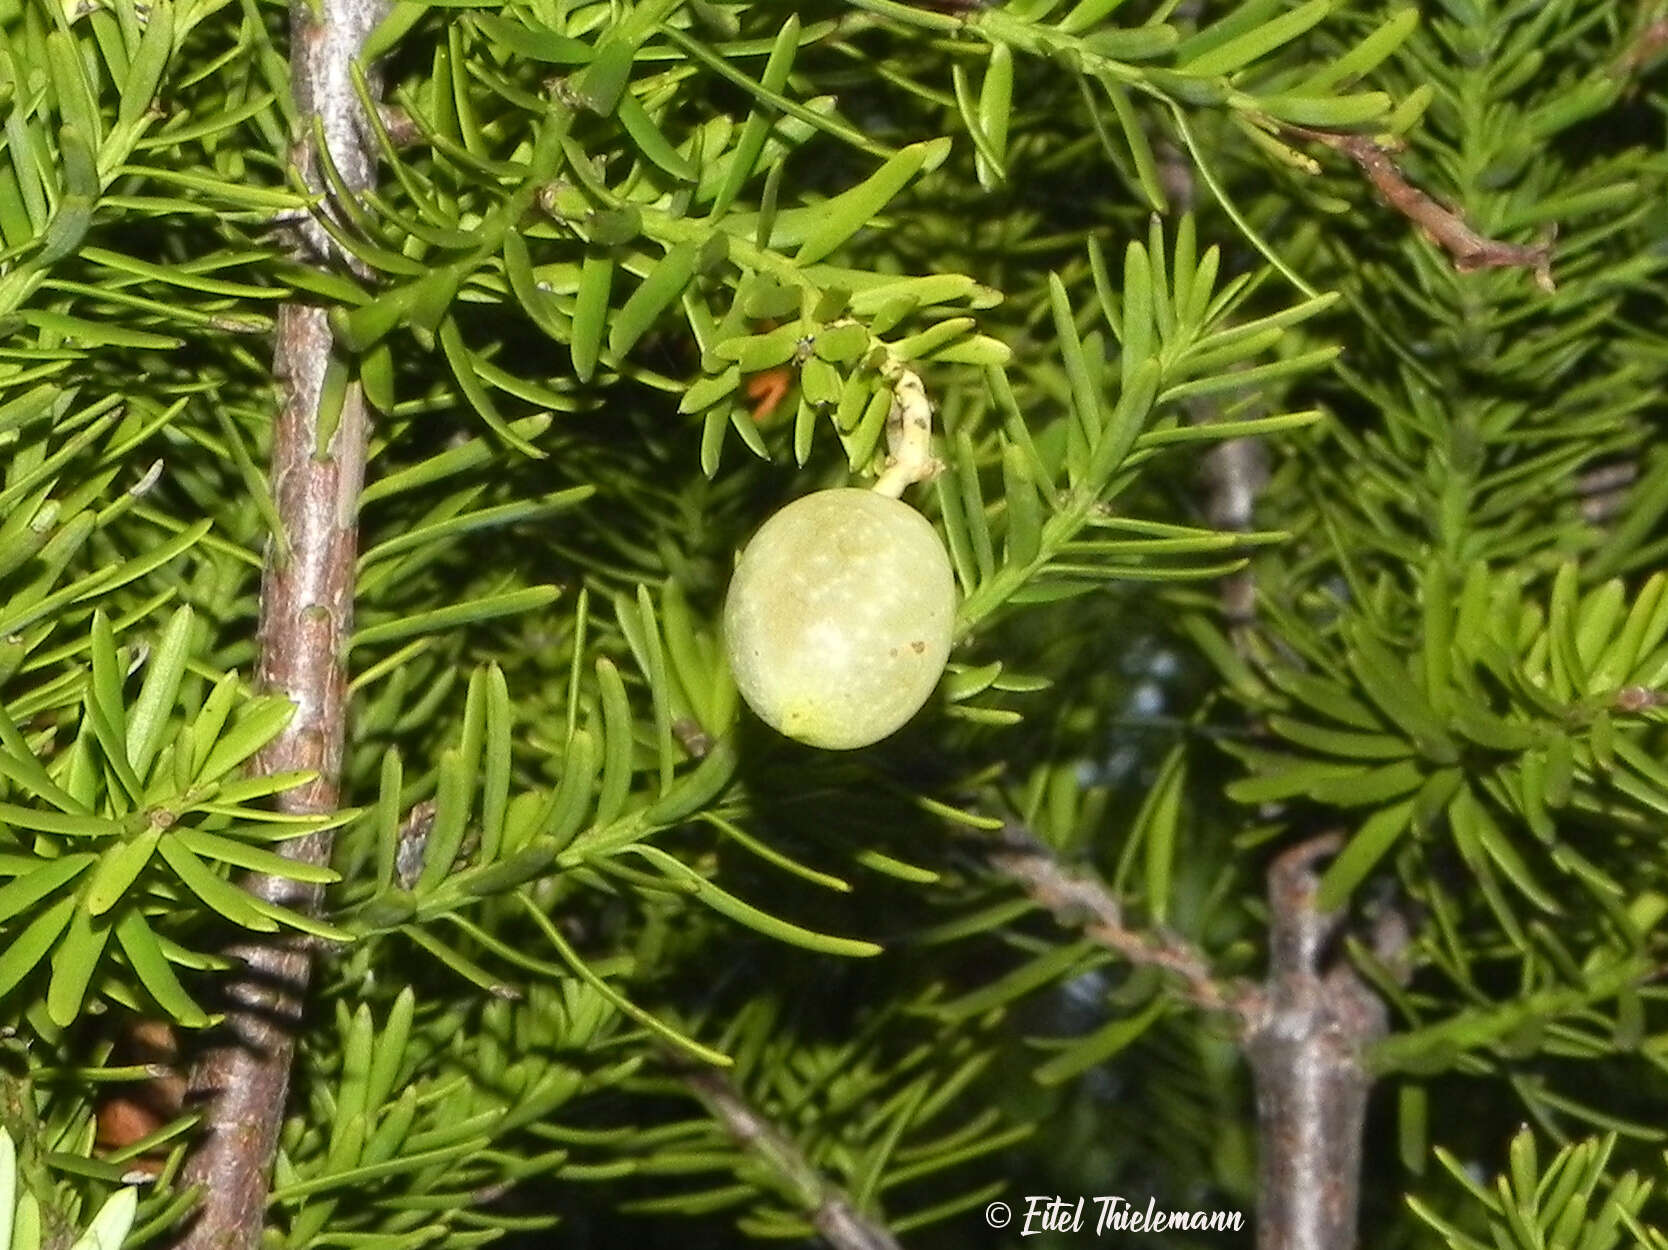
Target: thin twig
x=1444 y=227
x=306 y=619
x=1083 y=901
x=829 y=1207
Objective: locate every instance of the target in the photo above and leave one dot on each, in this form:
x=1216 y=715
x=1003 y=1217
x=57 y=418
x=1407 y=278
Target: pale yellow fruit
x=839 y=617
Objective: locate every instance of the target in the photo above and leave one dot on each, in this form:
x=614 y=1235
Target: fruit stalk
x=908 y=433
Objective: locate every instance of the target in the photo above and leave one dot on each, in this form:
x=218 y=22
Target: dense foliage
x=636 y=273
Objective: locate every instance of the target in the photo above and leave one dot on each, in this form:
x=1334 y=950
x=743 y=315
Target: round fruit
x=839 y=616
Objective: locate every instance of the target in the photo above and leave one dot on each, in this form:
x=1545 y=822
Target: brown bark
x=1469 y=250
x=242 y=1079
x=1081 y=900
x=1306 y=1054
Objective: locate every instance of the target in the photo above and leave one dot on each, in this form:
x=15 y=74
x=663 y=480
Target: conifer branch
x=1304 y=1031
x=1306 y=1048
x=305 y=623
x=830 y=1208
x=1311 y=1088
x=1469 y=250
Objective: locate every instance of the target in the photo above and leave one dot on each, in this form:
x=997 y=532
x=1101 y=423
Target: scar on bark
x=1469 y=250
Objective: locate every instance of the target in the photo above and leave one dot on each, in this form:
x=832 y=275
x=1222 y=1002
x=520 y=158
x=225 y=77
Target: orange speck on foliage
x=767 y=390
